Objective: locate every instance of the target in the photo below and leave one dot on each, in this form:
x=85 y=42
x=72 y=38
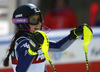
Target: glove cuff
x=31 y=52
x=73 y=34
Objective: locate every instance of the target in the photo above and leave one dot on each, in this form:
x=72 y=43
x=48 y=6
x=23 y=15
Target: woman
x=29 y=21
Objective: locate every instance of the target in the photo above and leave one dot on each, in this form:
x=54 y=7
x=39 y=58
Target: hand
x=76 y=32
x=39 y=37
x=35 y=41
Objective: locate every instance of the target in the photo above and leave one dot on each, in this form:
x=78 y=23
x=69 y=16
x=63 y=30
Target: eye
x=34 y=19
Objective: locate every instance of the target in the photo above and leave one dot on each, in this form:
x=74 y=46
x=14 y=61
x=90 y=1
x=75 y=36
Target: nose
x=39 y=23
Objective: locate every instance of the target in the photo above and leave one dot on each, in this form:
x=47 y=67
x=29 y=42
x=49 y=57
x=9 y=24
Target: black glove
x=39 y=37
x=35 y=41
x=76 y=32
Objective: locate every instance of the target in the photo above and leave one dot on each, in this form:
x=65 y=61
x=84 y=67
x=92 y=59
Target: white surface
x=4 y=27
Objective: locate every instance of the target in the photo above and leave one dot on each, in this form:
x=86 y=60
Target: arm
x=24 y=58
x=60 y=45
x=68 y=40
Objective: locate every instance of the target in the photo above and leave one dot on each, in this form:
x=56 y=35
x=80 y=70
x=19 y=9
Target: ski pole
x=45 y=48
x=87 y=37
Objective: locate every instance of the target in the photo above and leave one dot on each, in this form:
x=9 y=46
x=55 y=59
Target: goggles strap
x=26 y=29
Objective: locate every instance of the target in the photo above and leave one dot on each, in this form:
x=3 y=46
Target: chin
x=38 y=29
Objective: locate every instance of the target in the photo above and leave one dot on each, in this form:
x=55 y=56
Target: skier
x=25 y=48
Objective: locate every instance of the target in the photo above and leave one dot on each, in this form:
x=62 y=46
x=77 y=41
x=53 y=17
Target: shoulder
x=23 y=42
x=22 y=46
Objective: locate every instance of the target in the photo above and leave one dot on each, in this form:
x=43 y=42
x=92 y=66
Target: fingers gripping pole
x=87 y=37
x=45 y=48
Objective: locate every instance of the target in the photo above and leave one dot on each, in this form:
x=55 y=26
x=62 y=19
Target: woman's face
x=35 y=27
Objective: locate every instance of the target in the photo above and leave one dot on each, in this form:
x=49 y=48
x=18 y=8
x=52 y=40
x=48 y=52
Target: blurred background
x=60 y=16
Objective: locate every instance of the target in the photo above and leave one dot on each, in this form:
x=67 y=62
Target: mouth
x=37 y=28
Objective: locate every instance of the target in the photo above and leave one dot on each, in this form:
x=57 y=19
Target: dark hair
x=17 y=34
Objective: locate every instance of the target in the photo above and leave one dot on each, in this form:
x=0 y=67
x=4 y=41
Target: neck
x=29 y=33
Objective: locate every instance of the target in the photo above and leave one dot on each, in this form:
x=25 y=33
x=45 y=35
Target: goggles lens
x=34 y=19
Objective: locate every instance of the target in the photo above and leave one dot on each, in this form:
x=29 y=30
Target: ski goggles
x=33 y=19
